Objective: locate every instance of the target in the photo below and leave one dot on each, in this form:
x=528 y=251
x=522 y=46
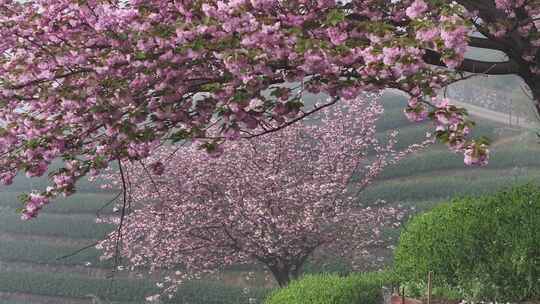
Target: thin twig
x=77 y=251
x=122 y=216
x=316 y=109
x=107 y=204
x=93 y=244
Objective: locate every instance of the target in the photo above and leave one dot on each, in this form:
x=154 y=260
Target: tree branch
x=475 y=66
x=486 y=9
x=77 y=251
x=485 y=43
x=294 y=120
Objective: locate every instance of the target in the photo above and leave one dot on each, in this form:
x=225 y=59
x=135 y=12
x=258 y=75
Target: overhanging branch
x=484 y=43
x=302 y=116
x=475 y=66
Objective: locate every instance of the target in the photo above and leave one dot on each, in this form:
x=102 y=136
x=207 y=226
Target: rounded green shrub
x=365 y=288
x=488 y=247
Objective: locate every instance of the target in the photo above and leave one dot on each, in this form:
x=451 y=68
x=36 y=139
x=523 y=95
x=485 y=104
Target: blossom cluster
x=274 y=200
x=34 y=202
x=92 y=82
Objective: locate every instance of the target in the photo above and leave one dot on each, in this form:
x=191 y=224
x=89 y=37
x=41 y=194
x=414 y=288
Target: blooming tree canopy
x=271 y=200
x=96 y=81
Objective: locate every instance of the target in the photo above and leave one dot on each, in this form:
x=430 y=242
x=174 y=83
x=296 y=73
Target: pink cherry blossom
x=417 y=113
x=476 y=157
x=275 y=200
x=417 y=8
x=108 y=81
x=428 y=34
x=157 y=168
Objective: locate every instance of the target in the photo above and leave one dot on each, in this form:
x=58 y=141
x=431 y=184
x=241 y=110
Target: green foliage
x=199 y=292
x=332 y=289
x=487 y=246
x=335 y=16
x=446 y=292
x=418 y=290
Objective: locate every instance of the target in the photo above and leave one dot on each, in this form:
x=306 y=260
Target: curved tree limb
x=485 y=43
x=476 y=66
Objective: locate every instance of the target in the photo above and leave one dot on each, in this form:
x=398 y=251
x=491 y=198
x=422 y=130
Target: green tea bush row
x=407 y=135
x=487 y=246
x=435 y=188
x=14 y=302
x=41 y=252
x=52 y=284
x=134 y=291
x=332 y=289
x=69 y=226
x=393 y=118
x=432 y=161
x=22 y=183
x=78 y=203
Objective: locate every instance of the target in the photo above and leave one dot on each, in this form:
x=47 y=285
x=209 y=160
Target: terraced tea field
x=31 y=273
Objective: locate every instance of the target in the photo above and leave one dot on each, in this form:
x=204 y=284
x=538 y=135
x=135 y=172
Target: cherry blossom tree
x=94 y=81
x=272 y=200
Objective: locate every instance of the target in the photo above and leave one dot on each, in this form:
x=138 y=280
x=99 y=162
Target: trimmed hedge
x=363 y=288
x=205 y=292
x=488 y=246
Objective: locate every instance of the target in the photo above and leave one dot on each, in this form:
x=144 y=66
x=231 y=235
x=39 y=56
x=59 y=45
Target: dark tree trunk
x=282 y=274
x=295 y=273
x=285 y=273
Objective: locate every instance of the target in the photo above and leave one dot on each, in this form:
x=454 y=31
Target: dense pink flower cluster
x=34 y=204
x=509 y=5
x=95 y=81
x=477 y=156
x=417 y=9
x=273 y=200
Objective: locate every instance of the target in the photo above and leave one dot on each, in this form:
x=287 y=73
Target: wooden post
x=403 y=295
x=429 y=286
